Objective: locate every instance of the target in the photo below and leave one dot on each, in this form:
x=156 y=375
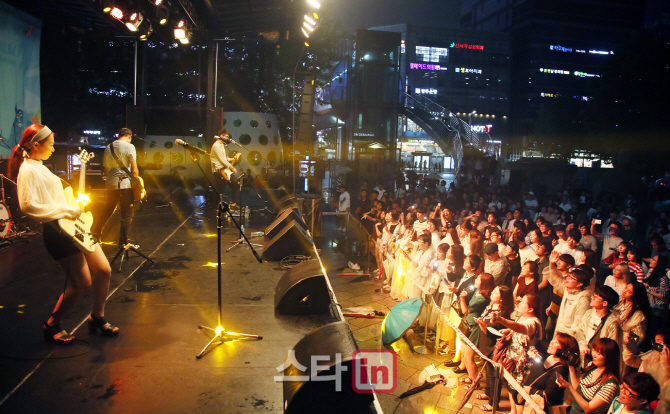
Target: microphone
x=236 y=143
x=190 y=147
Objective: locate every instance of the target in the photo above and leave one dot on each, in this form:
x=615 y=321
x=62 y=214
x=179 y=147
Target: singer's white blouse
x=41 y=195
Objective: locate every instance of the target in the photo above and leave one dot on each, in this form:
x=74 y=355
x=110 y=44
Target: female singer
x=41 y=197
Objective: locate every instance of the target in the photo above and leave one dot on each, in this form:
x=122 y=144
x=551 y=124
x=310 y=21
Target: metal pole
x=216 y=71
x=135 y=80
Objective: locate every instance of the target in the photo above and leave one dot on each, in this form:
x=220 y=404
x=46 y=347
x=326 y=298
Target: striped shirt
x=637 y=269
x=663 y=289
x=607 y=391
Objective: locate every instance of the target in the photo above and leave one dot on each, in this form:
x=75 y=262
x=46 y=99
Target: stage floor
x=151 y=366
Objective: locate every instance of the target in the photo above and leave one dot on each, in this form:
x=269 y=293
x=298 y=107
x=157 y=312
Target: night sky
x=360 y=14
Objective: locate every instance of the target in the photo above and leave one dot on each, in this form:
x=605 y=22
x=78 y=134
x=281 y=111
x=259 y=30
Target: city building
x=558 y=47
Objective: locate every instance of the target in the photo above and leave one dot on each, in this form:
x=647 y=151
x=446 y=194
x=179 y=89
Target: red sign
x=467 y=46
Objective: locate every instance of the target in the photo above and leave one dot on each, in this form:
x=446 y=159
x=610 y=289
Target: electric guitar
x=228 y=171
x=79 y=229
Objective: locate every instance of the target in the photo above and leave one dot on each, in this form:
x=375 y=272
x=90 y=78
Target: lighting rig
x=141 y=17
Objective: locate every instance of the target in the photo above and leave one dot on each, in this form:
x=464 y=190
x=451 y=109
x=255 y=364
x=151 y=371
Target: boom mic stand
x=219 y=332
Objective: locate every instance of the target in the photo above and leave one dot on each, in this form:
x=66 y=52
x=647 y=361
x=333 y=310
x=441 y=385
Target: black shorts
x=57 y=243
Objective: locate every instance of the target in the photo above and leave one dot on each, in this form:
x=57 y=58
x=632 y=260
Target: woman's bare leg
x=102 y=274
x=80 y=280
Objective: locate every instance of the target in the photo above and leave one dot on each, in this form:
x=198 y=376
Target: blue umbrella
x=399 y=319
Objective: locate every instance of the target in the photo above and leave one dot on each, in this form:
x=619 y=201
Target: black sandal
x=57 y=335
x=106 y=328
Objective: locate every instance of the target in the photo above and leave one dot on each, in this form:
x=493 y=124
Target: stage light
x=180 y=30
x=162 y=14
x=157 y=2
x=316 y=16
x=306 y=44
x=308 y=26
x=304 y=32
x=146 y=31
x=314 y=3
x=116 y=13
x=310 y=20
x=134 y=21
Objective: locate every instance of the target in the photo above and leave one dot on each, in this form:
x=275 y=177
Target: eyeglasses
x=626 y=390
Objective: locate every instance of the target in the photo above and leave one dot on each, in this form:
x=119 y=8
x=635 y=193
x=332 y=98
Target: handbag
x=500 y=352
x=464 y=327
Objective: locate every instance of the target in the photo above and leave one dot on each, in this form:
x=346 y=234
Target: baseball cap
x=491 y=248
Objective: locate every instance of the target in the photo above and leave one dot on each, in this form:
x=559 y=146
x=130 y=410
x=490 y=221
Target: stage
x=151 y=366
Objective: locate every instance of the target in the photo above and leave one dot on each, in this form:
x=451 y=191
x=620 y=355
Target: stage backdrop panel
x=257 y=132
x=19 y=74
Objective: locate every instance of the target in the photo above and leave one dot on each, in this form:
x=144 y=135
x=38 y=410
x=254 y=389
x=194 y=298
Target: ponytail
x=19 y=151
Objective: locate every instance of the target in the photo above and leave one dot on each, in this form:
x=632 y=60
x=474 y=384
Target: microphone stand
x=219 y=332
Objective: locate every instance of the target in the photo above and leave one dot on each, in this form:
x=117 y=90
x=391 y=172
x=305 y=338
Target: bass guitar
x=79 y=229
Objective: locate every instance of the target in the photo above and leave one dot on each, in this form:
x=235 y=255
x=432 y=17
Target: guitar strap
x=125 y=169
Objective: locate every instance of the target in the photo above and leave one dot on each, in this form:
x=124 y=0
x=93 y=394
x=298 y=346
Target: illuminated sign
x=549 y=95
x=580 y=50
x=422 y=91
x=426 y=66
x=431 y=54
x=586 y=75
x=601 y=52
x=581 y=98
x=481 y=128
x=91 y=132
x=468 y=70
x=555 y=71
x=363 y=134
x=560 y=48
x=466 y=46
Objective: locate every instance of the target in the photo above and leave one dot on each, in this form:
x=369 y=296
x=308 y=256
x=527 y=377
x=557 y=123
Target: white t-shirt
x=125 y=151
x=526 y=254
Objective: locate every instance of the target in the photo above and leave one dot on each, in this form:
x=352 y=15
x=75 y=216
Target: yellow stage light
x=211 y=264
x=219 y=329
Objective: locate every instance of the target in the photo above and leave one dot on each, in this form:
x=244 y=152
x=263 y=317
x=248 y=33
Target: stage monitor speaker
x=286 y=201
x=283 y=218
x=292 y=239
x=321 y=395
x=302 y=290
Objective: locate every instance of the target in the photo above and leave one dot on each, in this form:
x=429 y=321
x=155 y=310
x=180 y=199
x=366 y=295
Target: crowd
x=568 y=292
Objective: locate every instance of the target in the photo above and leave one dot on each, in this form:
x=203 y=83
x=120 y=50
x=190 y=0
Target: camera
x=570 y=358
x=658 y=347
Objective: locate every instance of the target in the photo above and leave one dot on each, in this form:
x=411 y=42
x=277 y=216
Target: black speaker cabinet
x=286 y=201
x=302 y=289
x=292 y=239
x=322 y=396
x=283 y=218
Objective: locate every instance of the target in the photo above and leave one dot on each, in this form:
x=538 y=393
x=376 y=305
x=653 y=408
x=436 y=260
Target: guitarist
x=221 y=167
x=41 y=197
x=119 y=189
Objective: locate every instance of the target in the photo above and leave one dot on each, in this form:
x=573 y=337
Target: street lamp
x=470 y=115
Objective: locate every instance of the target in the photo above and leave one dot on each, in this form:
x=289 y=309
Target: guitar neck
x=82 y=178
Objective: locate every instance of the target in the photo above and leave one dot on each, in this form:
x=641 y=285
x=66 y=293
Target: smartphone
x=633 y=337
x=598 y=222
x=658 y=347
